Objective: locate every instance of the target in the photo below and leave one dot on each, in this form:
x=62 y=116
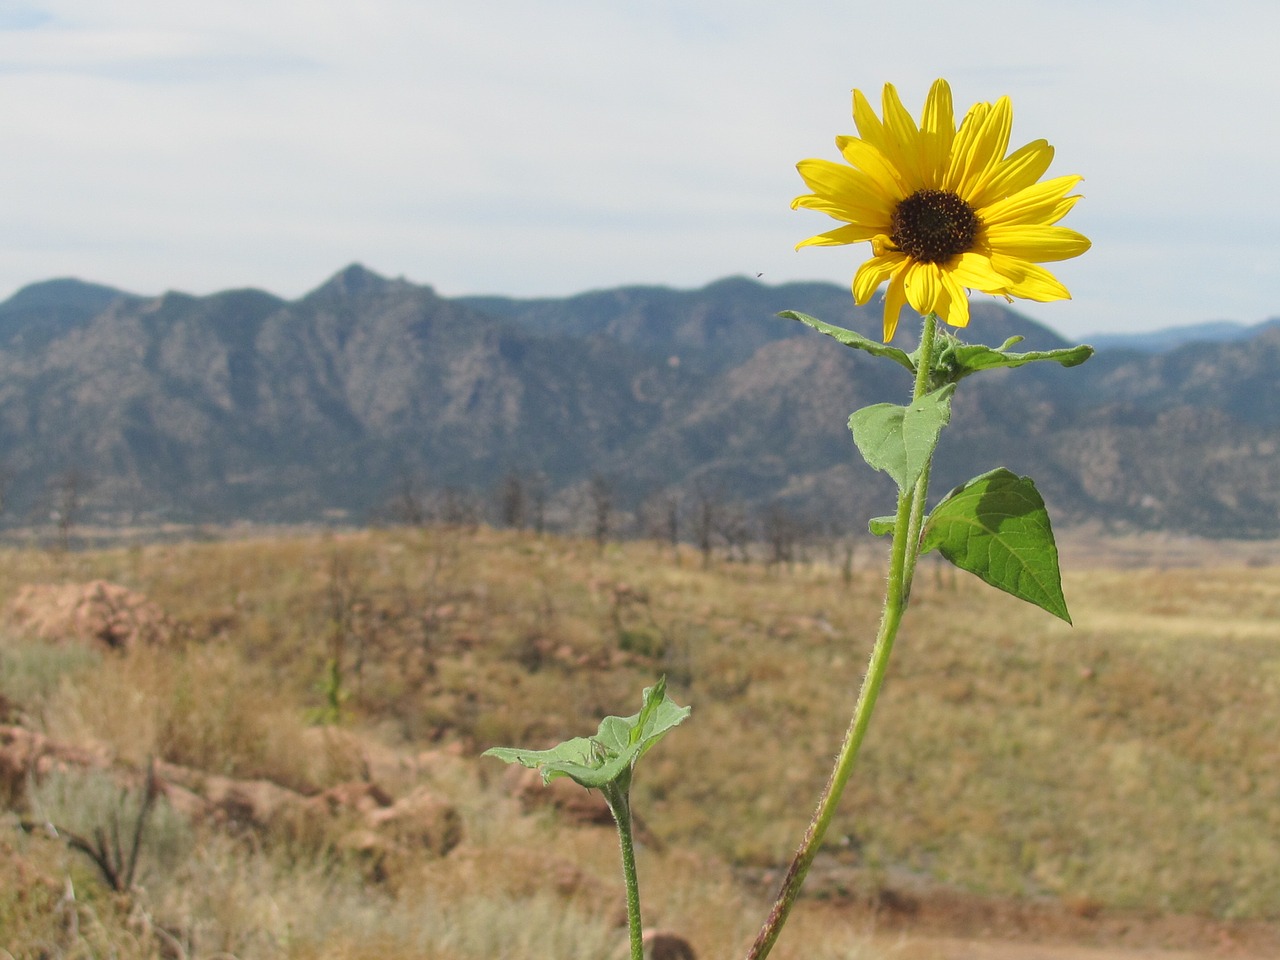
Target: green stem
x=620 y=806
x=924 y=364
x=902 y=561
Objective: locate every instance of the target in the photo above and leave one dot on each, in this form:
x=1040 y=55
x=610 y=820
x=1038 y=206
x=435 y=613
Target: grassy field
x=1128 y=763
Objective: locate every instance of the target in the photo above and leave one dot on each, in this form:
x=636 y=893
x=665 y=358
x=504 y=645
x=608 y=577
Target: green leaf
x=962 y=359
x=996 y=526
x=851 y=339
x=882 y=526
x=599 y=761
x=900 y=440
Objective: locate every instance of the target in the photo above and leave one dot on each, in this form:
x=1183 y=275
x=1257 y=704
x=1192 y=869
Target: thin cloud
x=508 y=147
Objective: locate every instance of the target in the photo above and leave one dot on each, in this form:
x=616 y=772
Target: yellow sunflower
x=944 y=209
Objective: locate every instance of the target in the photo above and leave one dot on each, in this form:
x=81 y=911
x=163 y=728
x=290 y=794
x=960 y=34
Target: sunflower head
x=946 y=210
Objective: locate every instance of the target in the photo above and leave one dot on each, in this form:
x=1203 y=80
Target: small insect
x=599 y=752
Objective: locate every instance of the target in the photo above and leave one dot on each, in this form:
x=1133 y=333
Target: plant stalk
x=902 y=561
x=620 y=806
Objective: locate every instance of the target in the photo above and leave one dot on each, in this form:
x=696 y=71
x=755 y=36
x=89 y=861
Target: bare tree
x=69 y=489
x=458 y=508
x=735 y=528
x=6 y=478
x=782 y=531
x=537 y=497
x=671 y=514
x=117 y=863
x=408 y=503
x=512 y=501
x=600 y=492
x=849 y=545
x=658 y=518
x=706 y=519
x=841 y=546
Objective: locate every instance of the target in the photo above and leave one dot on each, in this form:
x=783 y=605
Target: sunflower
x=944 y=209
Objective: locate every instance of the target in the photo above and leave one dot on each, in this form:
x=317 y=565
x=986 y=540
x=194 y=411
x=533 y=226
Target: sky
x=544 y=149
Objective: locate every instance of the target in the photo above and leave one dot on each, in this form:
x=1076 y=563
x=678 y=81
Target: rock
x=356 y=796
x=18 y=753
x=661 y=945
x=332 y=755
x=99 y=613
x=421 y=821
x=26 y=755
x=574 y=803
x=371 y=850
x=258 y=805
x=366 y=820
x=665 y=945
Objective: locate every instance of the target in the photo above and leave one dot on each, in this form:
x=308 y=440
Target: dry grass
x=1130 y=761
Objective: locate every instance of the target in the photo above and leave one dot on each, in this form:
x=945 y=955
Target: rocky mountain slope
x=242 y=405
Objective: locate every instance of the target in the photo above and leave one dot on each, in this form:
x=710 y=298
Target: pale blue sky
x=497 y=146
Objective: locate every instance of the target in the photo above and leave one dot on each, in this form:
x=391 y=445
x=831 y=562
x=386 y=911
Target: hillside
x=1108 y=786
x=367 y=391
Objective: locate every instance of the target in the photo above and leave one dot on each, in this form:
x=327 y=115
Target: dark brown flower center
x=932 y=226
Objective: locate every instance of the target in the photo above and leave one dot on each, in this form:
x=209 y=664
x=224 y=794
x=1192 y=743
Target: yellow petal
x=902 y=137
x=1041 y=203
x=853 y=233
x=981 y=143
x=895 y=298
x=873 y=273
x=923 y=286
x=974 y=270
x=838 y=210
x=1036 y=243
x=957 y=305
x=891 y=183
x=937 y=132
x=1028 y=281
x=1015 y=172
x=864 y=118
x=857 y=195
x=962 y=147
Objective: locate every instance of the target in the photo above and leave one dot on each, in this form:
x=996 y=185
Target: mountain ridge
x=244 y=405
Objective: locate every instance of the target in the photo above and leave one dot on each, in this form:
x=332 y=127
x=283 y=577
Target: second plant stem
x=902 y=562
x=619 y=801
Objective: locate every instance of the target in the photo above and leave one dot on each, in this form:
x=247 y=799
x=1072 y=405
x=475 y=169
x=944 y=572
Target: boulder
x=661 y=945
x=99 y=613
x=665 y=945
x=571 y=801
x=26 y=755
x=420 y=822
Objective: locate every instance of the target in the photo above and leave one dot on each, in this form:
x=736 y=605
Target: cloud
x=531 y=149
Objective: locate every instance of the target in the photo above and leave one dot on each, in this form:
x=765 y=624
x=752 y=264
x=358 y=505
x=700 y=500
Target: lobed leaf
x=962 y=359
x=599 y=761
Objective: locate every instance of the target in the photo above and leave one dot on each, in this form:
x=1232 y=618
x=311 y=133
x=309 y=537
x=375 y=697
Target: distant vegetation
x=1126 y=764
x=375 y=399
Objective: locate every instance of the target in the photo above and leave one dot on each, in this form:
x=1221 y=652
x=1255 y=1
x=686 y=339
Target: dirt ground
x=942 y=925
x=1091 y=546
x=938 y=925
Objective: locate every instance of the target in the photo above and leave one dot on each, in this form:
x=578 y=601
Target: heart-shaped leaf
x=900 y=440
x=996 y=526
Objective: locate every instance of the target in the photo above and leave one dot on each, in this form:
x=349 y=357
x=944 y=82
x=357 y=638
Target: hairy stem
x=902 y=561
x=620 y=806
